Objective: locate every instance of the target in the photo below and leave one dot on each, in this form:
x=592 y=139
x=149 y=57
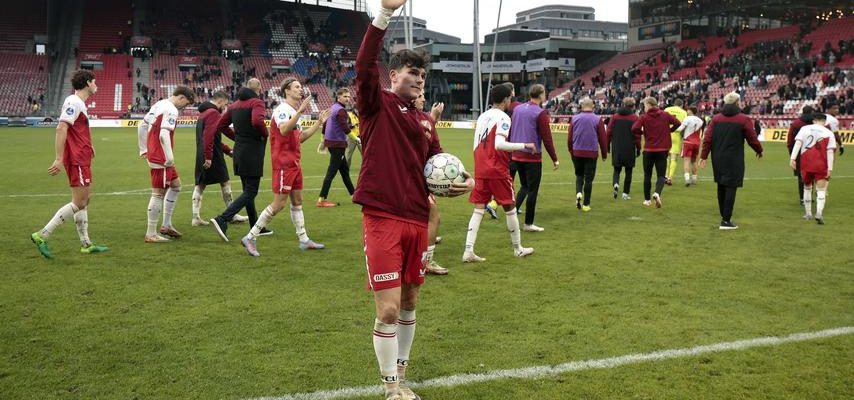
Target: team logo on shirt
x=505 y=126
x=171 y=121
x=70 y=111
x=427 y=128
x=282 y=117
x=403 y=109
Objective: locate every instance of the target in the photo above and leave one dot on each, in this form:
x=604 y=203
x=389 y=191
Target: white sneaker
x=578 y=198
x=157 y=239
x=656 y=198
x=472 y=258
x=647 y=203
x=807 y=217
x=237 y=219
x=200 y=222
x=626 y=197
x=533 y=228
x=523 y=251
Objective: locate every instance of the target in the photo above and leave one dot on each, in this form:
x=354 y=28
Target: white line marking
x=145 y=191
x=543 y=371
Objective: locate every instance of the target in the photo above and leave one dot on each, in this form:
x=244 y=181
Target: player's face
x=408 y=82
x=294 y=91
x=93 y=88
x=419 y=101
x=183 y=102
x=345 y=98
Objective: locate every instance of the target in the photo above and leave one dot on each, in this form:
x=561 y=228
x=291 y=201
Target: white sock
x=298 y=219
x=688 y=178
x=820 y=197
x=474 y=225
x=64 y=213
x=513 y=227
x=694 y=178
x=808 y=200
x=385 y=347
x=405 y=335
x=429 y=254
x=197 y=201
x=226 y=195
x=81 y=219
x=169 y=205
x=155 y=204
x=263 y=219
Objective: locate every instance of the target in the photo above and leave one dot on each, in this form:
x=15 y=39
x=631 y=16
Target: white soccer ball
x=441 y=171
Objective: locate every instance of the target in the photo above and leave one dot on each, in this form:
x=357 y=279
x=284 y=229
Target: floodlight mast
x=476 y=94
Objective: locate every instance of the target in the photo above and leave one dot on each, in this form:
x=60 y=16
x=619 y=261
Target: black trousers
x=337 y=163
x=800 y=178
x=627 y=183
x=585 y=170
x=530 y=174
x=657 y=160
x=726 y=201
x=245 y=200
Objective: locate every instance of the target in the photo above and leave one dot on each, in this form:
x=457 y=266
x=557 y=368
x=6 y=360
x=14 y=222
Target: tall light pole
x=475 y=84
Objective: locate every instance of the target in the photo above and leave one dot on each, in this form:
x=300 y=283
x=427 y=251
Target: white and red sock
x=81 y=219
x=474 y=226
x=64 y=213
x=263 y=219
x=155 y=204
x=169 y=205
x=197 y=201
x=513 y=227
x=298 y=218
x=386 y=348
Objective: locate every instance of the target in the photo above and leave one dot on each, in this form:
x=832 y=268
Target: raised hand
x=438 y=108
x=393 y=4
x=304 y=105
x=324 y=115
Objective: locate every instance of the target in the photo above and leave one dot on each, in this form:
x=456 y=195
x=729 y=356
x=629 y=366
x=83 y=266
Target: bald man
x=250 y=141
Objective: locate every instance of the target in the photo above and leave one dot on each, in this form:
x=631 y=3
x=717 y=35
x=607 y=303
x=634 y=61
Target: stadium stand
x=29 y=19
x=21 y=76
x=107 y=24
x=115 y=87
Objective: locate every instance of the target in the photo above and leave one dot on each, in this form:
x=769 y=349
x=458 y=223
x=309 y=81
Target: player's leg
x=578 y=164
x=728 y=205
x=648 y=165
x=227 y=199
x=335 y=156
x=198 y=192
x=169 y=201
x=298 y=219
x=535 y=173
x=615 y=181
x=386 y=340
x=627 y=183
x=159 y=183
x=806 y=195
x=519 y=167
x=81 y=195
x=800 y=180
x=344 y=170
x=589 y=173
x=820 y=199
x=432 y=234
x=406 y=324
x=474 y=226
x=686 y=166
x=266 y=216
x=694 y=168
x=220 y=223
x=660 y=165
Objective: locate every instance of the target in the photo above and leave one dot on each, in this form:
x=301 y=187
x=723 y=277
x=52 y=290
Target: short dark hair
x=286 y=84
x=819 y=116
x=678 y=102
x=409 y=58
x=807 y=110
x=81 y=78
x=220 y=95
x=341 y=91
x=510 y=85
x=536 y=91
x=498 y=93
x=693 y=110
x=186 y=92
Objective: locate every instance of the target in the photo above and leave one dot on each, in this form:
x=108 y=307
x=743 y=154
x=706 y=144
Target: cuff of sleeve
x=382 y=19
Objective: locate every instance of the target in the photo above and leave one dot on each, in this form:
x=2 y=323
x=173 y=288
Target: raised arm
x=367 y=61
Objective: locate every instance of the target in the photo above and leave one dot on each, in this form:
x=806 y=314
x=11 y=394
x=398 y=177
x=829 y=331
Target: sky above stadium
x=454 y=17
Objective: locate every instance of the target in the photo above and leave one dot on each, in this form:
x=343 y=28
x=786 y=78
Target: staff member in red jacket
x=250 y=142
x=624 y=146
x=725 y=137
x=655 y=126
x=397 y=140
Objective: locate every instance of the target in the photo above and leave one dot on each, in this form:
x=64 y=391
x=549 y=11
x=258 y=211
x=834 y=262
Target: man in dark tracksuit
x=802 y=121
x=625 y=146
x=250 y=141
x=725 y=137
x=335 y=139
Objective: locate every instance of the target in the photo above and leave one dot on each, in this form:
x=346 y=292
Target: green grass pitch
x=199 y=319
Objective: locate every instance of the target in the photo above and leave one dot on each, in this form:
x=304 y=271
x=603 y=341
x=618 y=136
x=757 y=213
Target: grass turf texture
x=198 y=318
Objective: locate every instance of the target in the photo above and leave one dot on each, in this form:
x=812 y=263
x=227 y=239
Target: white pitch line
x=146 y=191
x=543 y=371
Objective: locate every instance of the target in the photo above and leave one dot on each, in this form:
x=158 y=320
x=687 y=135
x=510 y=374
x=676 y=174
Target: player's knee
x=175 y=188
x=388 y=313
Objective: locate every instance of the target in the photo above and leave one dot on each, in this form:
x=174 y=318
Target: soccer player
x=625 y=146
x=691 y=129
x=397 y=140
x=803 y=120
x=335 y=138
x=433 y=267
x=286 y=138
x=531 y=125
x=210 y=156
x=833 y=125
x=655 y=126
x=815 y=144
x=724 y=138
x=162 y=119
x=586 y=136
x=250 y=142
x=677 y=111
x=492 y=173
x=74 y=152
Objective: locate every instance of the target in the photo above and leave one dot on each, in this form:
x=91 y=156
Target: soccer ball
x=441 y=171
